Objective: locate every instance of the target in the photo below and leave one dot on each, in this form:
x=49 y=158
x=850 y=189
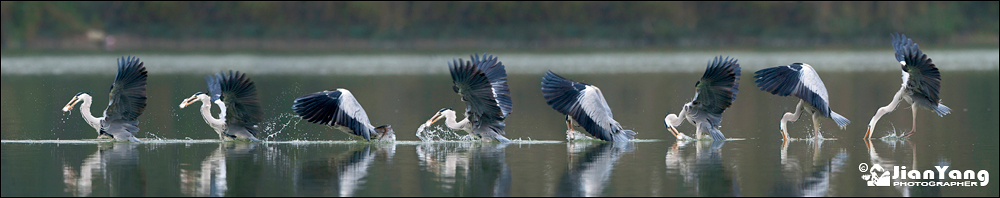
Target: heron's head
x=194 y=98
x=440 y=114
x=385 y=133
x=76 y=99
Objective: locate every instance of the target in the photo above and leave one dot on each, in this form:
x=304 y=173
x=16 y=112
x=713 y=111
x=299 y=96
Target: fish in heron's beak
x=69 y=106
x=189 y=101
x=385 y=133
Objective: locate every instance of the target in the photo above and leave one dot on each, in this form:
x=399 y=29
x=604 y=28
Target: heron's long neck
x=87 y=116
x=206 y=112
x=680 y=118
x=450 y=122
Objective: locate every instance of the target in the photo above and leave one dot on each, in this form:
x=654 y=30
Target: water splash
x=437 y=133
x=275 y=126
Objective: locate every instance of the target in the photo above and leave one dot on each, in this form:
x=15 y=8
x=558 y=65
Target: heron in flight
x=583 y=105
x=240 y=111
x=715 y=92
x=127 y=102
x=482 y=84
x=921 y=83
x=338 y=108
x=801 y=80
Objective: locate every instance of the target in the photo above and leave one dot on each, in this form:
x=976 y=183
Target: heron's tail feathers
x=628 y=134
x=716 y=134
x=942 y=110
x=133 y=139
x=841 y=120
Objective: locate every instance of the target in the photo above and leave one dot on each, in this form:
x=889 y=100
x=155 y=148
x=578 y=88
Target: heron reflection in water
x=210 y=178
x=887 y=165
x=116 y=164
x=592 y=171
x=240 y=111
x=482 y=84
x=342 y=175
x=483 y=166
x=815 y=182
x=127 y=101
x=702 y=169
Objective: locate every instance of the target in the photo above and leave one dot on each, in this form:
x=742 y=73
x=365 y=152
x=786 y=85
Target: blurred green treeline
x=646 y=23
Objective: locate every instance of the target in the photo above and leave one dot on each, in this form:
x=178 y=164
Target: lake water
x=46 y=152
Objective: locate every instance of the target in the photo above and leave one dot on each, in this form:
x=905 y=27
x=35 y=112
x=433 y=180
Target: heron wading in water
x=715 y=92
x=482 y=84
x=583 y=105
x=338 y=108
x=127 y=101
x=239 y=109
x=921 y=83
x=802 y=81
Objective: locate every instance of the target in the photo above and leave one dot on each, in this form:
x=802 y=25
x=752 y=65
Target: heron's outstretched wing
x=335 y=108
x=583 y=102
x=478 y=93
x=128 y=93
x=240 y=96
x=497 y=75
x=797 y=79
x=921 y=75
x=717 y=88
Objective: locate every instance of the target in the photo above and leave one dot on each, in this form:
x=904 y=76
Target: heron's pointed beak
x=868 y=133
x=437 y=116
x=188 y=101
x=69 y=106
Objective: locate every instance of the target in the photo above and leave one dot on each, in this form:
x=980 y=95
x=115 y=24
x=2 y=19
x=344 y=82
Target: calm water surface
x=46 y=152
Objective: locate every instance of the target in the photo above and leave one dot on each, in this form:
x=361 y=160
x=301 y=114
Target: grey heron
x=482 y=84
x=240 y=111
x=921 y=83
x=127 y=101
x=338 y=108
x=583 y=105
x=715 y=92
x=802 y=81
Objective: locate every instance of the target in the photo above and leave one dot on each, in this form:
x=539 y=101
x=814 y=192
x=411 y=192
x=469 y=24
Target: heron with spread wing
x=338 y=108
x=482 y=84
x=127 y=102
x=802 y=81
x=921 y=83
x=583 y=105
x=715 y=92
x=240 y=111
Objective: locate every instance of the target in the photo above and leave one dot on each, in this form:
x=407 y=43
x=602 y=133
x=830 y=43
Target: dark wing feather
x=128 y=93
x=564 y=95
x=334 y=108
x=214 y=86
x=788 y=80
x=477 y=92
x=924 y=77
x=497 y=75
x=717 y=88
x=240 y=96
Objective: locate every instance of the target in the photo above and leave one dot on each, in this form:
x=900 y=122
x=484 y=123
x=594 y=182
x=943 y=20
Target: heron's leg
x=817 y=136
x=697 y=133
x=913 y=106
x=789 y=117
x=884 y=110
